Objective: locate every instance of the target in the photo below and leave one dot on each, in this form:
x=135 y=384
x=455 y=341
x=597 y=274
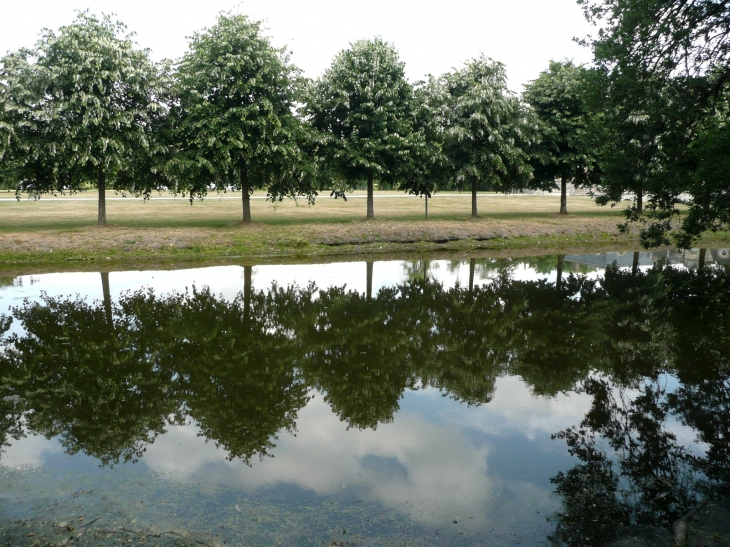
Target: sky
x=431 y=36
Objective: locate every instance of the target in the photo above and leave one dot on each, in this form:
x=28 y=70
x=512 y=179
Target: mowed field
x=63 y=231
x=224 y=210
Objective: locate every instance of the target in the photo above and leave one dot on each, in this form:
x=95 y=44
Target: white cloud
x=29 y=452
x=439 y=474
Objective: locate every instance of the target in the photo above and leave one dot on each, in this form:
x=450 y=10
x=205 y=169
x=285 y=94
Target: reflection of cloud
x=515 y=409
x=29 y=451
x=440 y=474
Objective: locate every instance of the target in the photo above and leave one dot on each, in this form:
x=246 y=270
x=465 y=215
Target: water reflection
x=647 y=347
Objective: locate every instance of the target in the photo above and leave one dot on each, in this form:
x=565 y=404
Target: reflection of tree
x=235 y=369
x=553 y=335
x=484 y=268
x=468 y=352
x=635 y=333
x=632 y=469
x=705 y=407
x=11 y=407
x=95 y=389
x=107 y=377
x=642 y=476
x=418 y=269
x=356 y=351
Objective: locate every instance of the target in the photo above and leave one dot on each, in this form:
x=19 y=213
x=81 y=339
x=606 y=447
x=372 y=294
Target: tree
x=427 y=168
x=352 y=353
x=658 y=140
x=86 y=373
x=363 y=106
x=237 y=379
x=706 y=173
x=484 y=129
x=78 y=109
x=236 y=123
x=684 y=47
x=626 y=131
x=663 y=36
x=557 y=97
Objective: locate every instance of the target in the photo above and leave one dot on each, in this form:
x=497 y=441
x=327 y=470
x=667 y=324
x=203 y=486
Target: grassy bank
x=61 y=234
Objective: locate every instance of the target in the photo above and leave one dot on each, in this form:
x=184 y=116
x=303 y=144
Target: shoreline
x=13 y=263
x=62 y=235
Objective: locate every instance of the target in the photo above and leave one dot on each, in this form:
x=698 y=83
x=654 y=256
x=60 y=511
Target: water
x=478 y=402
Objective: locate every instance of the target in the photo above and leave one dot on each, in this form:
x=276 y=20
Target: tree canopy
x=236 y=126
x=558 y=98
x=676 y=55
x=363 y=106
x=662 y=36
x=485 y=130
x=78 y=109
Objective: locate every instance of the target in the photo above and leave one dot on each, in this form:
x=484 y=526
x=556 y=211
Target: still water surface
x=551 y=400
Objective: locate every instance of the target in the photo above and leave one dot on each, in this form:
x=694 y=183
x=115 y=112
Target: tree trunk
x=369 y=289
x=559 y=277
x=371 y=208
x=635 y=264
x=472 y=267
x=247 y=271
x=640 y=201
x=102 y=198
x=563 y=196
x=107 y=300
x=426 y=196
x=425 y=270
x=701 y=263
x=474 y=212
x=245 y=196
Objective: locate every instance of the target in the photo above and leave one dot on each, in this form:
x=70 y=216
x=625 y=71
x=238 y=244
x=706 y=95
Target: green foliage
x=364 y=108
x=108 y=377
x=668 y=67
x=427 y=167
x=558 y=99
x=235 y=126
x=78 y=109
x=485 y=129
x=662 y=36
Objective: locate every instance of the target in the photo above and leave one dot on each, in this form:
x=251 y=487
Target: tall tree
x=363 y=106
x=558 y=98
x=685 y=48
x=427 y=167
x=236 y=124
x=626 y=132
x=484 y=131
x=78 y=109
x=663 y=36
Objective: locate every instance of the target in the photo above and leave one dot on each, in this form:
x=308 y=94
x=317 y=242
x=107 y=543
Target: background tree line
x=87 y=107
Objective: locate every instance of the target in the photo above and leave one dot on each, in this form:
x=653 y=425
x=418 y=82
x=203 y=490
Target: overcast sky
x=432 y=36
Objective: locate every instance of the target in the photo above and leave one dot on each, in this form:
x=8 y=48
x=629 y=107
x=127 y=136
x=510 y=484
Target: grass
x=223 y=210
x=62 y=233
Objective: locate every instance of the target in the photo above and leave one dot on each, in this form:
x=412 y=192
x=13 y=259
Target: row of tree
x=107 y=377
x=86 y=106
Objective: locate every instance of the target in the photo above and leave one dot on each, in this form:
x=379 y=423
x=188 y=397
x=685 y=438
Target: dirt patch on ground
x=114 y=238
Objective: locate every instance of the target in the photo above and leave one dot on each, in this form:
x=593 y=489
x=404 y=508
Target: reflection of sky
x=437 y=461
x=229 y=280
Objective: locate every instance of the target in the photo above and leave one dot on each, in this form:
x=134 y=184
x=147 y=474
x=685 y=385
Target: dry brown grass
x=62 y=233
x=67 y=212
x=68 y=223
